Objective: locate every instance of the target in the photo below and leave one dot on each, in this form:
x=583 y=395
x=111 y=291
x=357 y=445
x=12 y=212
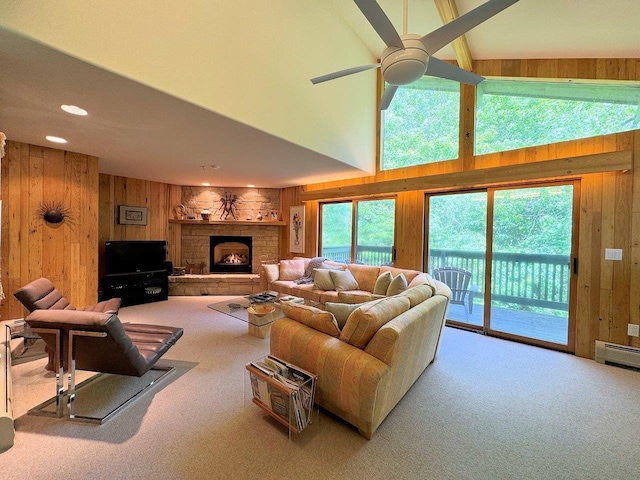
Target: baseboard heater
x=614 y=354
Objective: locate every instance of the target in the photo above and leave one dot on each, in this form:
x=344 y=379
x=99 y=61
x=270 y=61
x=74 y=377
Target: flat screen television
x=130 y=256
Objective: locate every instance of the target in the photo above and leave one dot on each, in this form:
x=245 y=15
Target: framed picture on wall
x=128 y=215
x=296 y=229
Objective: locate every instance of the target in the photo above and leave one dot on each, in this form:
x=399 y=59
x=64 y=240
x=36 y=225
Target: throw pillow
x=397 y=285
x=322 y=280
x=365 y=275
x=341 y=311
x=382 y=283
x=343 y=280
x=271 y=272
x=312 y=317
x=366 y=320
x=291 y=269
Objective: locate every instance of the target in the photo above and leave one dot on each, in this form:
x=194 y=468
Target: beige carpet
x=486 y=409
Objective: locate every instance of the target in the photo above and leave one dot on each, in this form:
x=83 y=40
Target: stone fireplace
x=196 y=244
x=230 y=254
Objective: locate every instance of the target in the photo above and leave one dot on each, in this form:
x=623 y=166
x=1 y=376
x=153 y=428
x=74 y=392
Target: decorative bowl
x=261 y=310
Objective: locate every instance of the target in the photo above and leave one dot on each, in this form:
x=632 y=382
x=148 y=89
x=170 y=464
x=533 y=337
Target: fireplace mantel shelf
x=229 y=222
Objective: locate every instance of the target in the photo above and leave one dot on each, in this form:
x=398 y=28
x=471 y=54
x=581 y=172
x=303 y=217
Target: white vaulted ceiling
x=172 y=86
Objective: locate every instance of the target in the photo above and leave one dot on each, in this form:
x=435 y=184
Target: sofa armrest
x=383 y=344
x=271 y=272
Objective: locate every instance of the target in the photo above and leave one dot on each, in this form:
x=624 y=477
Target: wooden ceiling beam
x=571 y=167
x=448 y=11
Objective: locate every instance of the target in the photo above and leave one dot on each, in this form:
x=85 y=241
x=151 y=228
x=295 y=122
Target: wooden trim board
x=550 y=169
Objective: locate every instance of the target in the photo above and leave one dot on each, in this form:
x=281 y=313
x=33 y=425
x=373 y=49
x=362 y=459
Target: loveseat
x=367 y=355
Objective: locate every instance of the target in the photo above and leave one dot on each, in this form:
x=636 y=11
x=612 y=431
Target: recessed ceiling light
x=73 y=110
x=206 y=184
x=251 y=185
x=53 y=139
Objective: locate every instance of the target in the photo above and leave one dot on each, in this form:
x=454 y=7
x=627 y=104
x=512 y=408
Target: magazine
x=294 y=402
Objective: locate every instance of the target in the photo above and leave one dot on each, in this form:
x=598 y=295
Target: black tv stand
x=137 y=287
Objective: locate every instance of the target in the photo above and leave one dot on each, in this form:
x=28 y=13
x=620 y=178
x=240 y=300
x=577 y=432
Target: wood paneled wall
x=608 y=296
x=290 y=197
x=66 y=253
x=158 y=198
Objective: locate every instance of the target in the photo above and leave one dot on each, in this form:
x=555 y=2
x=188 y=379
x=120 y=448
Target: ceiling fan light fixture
x=401 y=66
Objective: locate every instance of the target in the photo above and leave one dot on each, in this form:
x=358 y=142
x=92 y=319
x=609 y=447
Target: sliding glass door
x=507 y=255
x=531 y=262
x=457 y=244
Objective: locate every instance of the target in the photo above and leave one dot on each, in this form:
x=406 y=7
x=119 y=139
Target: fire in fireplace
x=235 y=259
x=230 y=254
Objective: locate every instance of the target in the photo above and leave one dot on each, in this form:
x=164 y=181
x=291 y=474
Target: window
x=421 y=125
x=512 y=114
x=336 y=231
x=370 y=242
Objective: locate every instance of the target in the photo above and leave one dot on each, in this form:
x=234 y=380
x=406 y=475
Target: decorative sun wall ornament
x=53 y=212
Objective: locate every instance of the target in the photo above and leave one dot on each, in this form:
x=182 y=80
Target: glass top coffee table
x=259 y=310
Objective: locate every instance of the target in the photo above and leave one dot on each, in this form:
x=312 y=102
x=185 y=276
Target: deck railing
x=522 y=278
x=366 y=255
x=525 y=279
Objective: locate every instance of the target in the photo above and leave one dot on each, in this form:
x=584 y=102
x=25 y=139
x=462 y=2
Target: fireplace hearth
x=230 y=254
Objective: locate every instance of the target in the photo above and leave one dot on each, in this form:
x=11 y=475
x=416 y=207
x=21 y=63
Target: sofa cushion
x=343 y=280
x=397 y=285
x=366 y=320
x=305 y=260
x=357 y=296
x=271 y=272
x=322 y=280
x=303 y=291
x=291 y=269
x=382 y=283
x=324 y=296
x=365 y=275
x=421 y=279
x=283 y=286
x=334 y=265
x=408 y=274
x=328 y=265
x=312 y=317
x=417 y=294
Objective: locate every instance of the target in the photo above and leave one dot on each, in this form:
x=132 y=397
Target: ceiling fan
x=409 y=57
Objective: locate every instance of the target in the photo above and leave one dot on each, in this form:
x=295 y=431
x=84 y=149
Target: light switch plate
x=613 y=254
x=633 y=330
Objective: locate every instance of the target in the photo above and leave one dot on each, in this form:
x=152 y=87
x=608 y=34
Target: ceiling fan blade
x=438 y=68
x=446 y=34
x=380 y=22
x=387 y=96
x=343 y=73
